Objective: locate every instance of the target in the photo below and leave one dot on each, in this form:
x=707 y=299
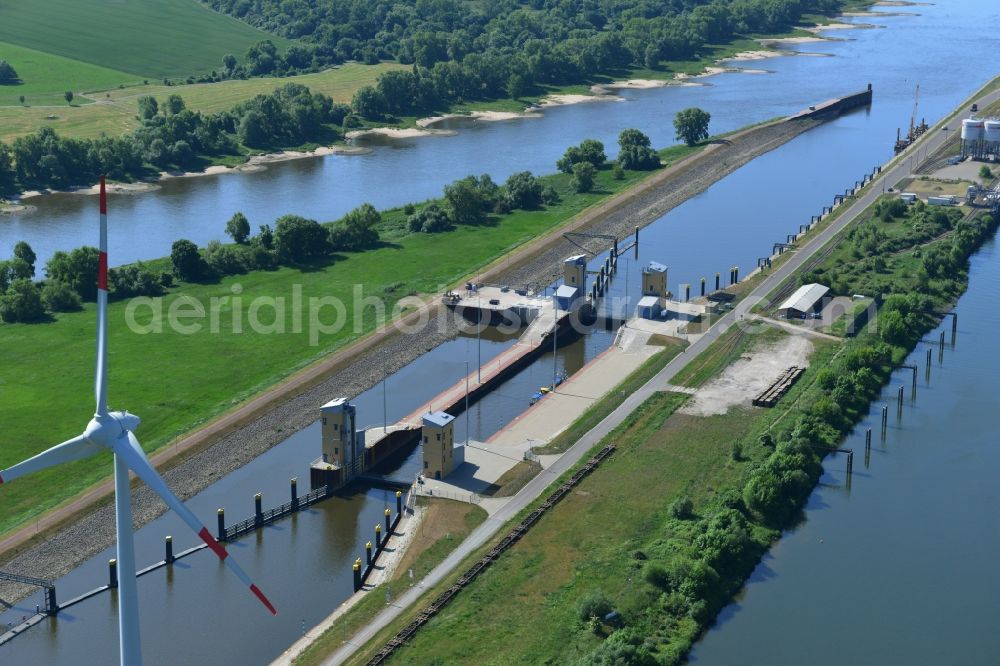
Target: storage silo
x=972 y=137
x=972 y=129
x=991 y=137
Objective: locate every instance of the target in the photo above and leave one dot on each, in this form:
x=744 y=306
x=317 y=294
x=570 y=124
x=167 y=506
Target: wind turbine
x=114 y=431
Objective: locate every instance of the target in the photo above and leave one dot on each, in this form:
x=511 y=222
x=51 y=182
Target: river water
x=304 y=563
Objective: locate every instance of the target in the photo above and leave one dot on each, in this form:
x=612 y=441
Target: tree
x=297 y=239
x=174 y=105
x=985 y=173
x=78 y=269
x=583 y=176
x=229 y=62
x=368 y=102
x=60 y=297
x=21 y=97
x=24 y=252
x=7 y=172
x=523 y=190
x=692 y=125
x=7 y=74
x=68 y=96
x=465 y=201
x=238 y=228
x=22 y=302
x=187 y=261
x=590 y=150
x=265 y=237
x=635 y=152
x=356 y=230
x=148 y=107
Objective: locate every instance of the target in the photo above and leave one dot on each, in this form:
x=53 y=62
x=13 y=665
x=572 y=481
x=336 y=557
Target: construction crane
x=913 y=116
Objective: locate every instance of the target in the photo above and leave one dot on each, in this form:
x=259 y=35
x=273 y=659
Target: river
x=304 y=563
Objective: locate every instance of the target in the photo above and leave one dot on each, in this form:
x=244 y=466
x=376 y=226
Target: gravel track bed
x=95 y=531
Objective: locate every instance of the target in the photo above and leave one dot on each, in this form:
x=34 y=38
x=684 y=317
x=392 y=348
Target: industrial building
x=981 y=139
x=569 y=294
x=806 y=300
x=439 y=445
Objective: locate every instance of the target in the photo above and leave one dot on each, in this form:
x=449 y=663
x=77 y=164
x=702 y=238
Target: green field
x=176 y=382
x=148 y=38
x=107 y=109
x=45 y=77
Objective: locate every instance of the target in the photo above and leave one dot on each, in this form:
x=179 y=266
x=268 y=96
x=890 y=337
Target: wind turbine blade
x=101 y=372
x=70 y=450
x=127 y=446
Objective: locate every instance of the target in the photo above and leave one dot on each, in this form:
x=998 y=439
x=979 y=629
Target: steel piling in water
x=388 y=524
x=221 y=519
x=399 y=502
x=112 y=573
x=258 y=509
x=368 y=552
x=927 y=371
x=295 y=493
x=168 y=544
x=357 y=574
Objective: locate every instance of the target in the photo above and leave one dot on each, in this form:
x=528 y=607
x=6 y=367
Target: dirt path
x=68 y=535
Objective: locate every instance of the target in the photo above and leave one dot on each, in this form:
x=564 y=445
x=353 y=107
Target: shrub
x=22 y=302
x=60 y=297
x=681 y=508
x=593 y=604
x=430 y=219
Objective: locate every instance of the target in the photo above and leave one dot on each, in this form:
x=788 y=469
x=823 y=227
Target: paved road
x=930 y=142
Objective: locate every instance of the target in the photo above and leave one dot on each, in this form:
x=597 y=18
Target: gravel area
x=95 y=531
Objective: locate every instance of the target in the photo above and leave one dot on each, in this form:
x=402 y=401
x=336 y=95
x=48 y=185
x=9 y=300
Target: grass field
x=107 y=109
x=45 y=77
x=149 y=38
x=176 y=382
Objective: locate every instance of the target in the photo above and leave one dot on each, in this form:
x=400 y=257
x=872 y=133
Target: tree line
x=292 y=241
x=170 y=137
x=502 y=48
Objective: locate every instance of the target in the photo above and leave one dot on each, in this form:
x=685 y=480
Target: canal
x=304 y=563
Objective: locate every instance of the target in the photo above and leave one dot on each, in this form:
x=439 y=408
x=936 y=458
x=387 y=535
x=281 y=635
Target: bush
x=134 y=280
x=298 y=240
x=593 y=604
x=656 y=575
x=187 y=261
x=22 y=302
x=225 y=259
x=523 y=190
x=430 y=219
x=590 y=151
x=583 y=176
x=60 y=297
x=681 y=508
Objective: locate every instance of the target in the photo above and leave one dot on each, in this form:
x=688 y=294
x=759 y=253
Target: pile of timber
x=777 y=390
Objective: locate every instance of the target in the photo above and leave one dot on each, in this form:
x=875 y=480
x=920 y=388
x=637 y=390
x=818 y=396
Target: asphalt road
x=900 y=168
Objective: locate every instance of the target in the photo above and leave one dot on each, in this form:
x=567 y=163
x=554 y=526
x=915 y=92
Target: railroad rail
x=481 y=565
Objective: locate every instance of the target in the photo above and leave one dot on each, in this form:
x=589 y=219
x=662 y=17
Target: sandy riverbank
x=485 y=116
x=254 y=163
x=399 y=132
x=565 y=99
